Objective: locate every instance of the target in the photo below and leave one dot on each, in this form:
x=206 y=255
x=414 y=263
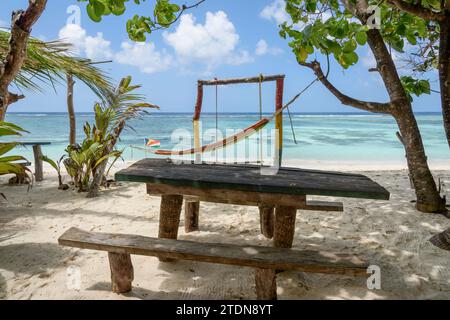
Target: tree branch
x=417 y=10
x=15 y=97
x=344 y=99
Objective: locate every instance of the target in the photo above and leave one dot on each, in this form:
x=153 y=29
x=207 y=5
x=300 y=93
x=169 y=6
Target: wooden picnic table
x=37 y=151
x=278 y=196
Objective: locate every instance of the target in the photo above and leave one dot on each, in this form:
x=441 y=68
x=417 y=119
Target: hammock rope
x=217 y=116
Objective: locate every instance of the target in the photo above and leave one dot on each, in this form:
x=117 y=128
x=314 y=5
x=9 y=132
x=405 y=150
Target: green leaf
x=361 y=38
x=51 y=162
x=92 y=14
x=349 y=46
x=99 y=8
x=350 y=58
x=6 y=147
x=12 y=159
x=302 y=54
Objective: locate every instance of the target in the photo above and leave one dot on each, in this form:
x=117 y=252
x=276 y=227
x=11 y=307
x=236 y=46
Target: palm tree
x=123 y=106
x=49 y=63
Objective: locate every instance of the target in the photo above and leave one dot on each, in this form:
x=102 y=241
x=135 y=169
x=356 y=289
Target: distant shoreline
x=230 y=113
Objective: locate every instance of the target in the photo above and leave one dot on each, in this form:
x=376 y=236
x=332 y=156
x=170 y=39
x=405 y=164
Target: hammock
x=250 y=130
x=219 y=144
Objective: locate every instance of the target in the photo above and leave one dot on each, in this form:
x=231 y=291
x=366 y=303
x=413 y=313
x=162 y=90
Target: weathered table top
x=248 y=178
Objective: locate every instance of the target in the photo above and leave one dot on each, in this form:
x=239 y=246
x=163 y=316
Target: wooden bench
x=266 y=260
x=37 y=151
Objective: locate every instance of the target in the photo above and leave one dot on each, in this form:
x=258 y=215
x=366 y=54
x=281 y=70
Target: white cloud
x=141 y=55
x=275 y=11
x=263 y=48
x=212 y=43
x=97 y=48
x=94 y=48
x=144 y=56
x=75 y=35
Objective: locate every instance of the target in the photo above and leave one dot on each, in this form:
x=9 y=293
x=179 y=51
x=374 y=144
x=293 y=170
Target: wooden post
x=191 y=210
x=266 y=219
x=38 y=172
x=198 y=109
x=266 y=284
x=284 y=226
x=197 y=142
x=169 y=218
x=279 y=121
x=122 y=273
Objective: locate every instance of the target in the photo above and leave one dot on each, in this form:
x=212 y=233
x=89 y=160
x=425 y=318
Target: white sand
x=390 y=234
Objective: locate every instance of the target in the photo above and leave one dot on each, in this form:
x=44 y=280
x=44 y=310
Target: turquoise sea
x=325 y=136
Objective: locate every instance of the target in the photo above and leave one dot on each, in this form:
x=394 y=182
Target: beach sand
x=389 y=234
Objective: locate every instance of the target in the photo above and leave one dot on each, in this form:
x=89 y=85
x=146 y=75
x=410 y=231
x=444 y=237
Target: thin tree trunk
x=444 y=72
x=21 y=24
x=71 y=110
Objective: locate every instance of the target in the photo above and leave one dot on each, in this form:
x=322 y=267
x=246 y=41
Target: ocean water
x=346 y=137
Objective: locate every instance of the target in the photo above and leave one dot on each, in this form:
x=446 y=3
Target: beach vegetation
x=83 y=160
x=12 y=164
x=125 y=105
x=57 y=166
x=87 y=162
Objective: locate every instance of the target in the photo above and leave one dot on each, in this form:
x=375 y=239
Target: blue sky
x=231 y=38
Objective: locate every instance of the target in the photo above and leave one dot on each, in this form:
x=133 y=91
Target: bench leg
x=266 y=218
x=38 y=172
x=169 y=218
x=122 y=273
x=191 y=210
x=284 y=226
x=266 y=284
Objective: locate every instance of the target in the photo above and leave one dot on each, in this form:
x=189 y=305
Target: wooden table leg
x=284 y=226
x=38 y=172
x=191 y=211
x=169 y=218
x=266 y=218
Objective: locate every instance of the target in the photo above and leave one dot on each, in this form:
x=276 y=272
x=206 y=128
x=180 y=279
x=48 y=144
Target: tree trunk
x=3 y=107
x=428 y=198
x=427 y=194
x=71 y=110
x=22 y=22
x=444 y=72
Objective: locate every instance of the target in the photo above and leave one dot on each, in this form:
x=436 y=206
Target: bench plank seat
x=241 y=255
